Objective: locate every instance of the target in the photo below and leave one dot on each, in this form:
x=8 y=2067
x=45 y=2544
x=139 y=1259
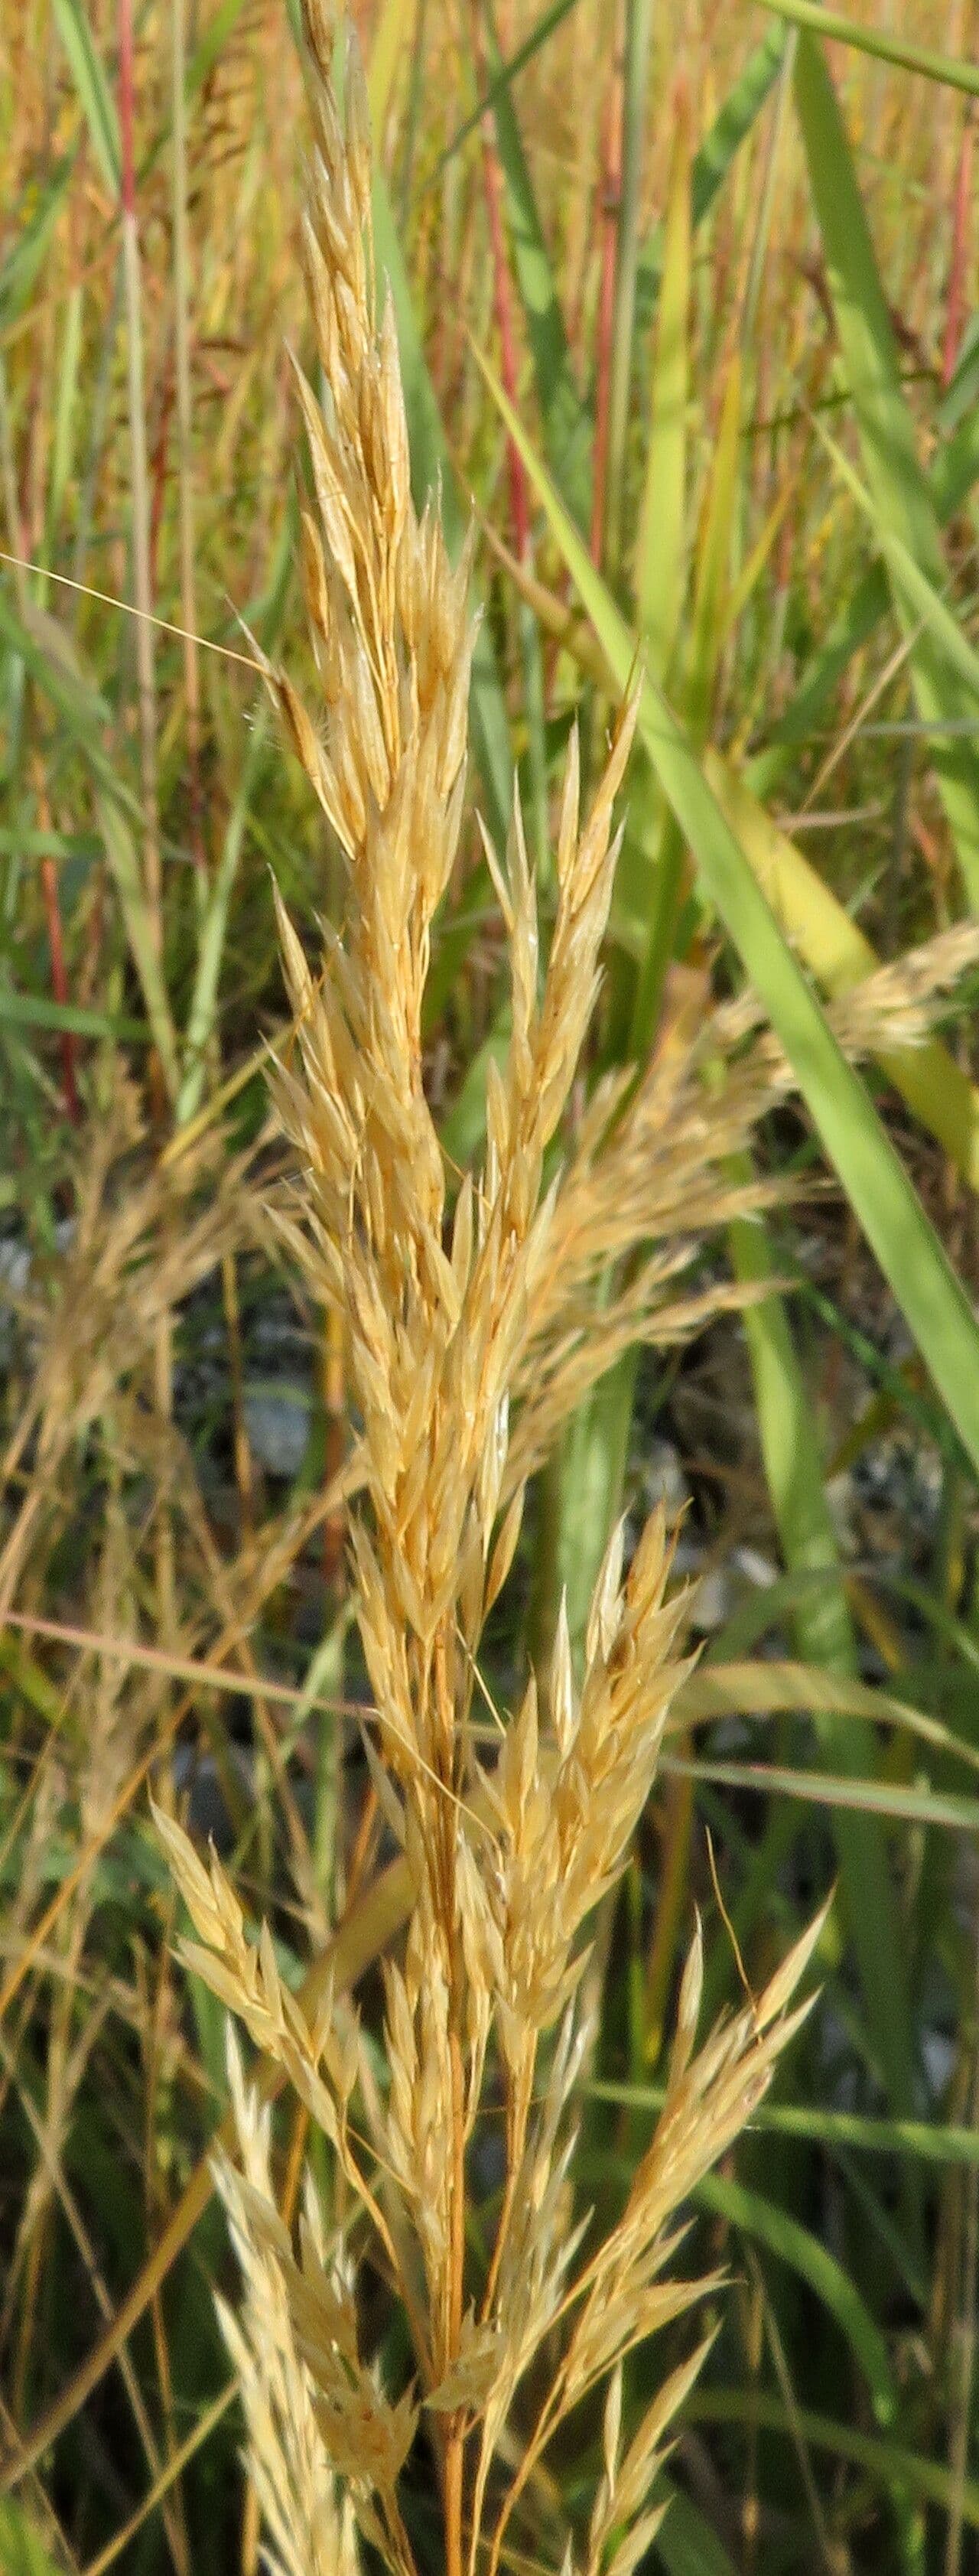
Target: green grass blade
x=885 y=47
x=774 y=1688
x=923 y=1808
x=687 y=2545
x=882 y=2461
x=210 y=46
x=906 y=1245
x=782 y=2235
x=127 y=877
x=795 y=1476
x=22 y=2550
x=941 y=2143
x=897 y=485
x=203 y=1008
x=711 y=164
x=635 y=86
x=35 y=1011
x=954 y=471
x=923 y=604
x=566 y=422
x=431 y=466
x=839 y=955
x=661 y=547
x=507 y=74
x=95 y=98
x=22 y=262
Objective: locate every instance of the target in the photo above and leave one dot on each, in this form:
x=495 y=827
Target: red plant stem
x=158 y=470
x=611 y=189
x=502 y=301
x=59 y=984
x=961 y=212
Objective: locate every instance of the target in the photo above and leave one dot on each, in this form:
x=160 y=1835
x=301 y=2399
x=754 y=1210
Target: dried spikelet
x=454 y=1320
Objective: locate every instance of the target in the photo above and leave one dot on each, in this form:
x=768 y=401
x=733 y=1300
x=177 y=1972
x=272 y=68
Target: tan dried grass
x=453 y=1314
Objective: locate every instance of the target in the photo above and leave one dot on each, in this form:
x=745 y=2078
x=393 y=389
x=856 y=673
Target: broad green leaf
x=774 y=1688
x=864 y=1798
x=940 y=2143
x=923 y=604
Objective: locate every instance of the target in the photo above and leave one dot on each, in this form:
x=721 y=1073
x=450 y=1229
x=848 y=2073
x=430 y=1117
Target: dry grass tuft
x=453 y=1315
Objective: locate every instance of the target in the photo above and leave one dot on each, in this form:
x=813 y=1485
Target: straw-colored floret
x=471 y=1331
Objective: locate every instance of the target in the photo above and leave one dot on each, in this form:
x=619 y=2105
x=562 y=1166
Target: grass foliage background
x=688 y=313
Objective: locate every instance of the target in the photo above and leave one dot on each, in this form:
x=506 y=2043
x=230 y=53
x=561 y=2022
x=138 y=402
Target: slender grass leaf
x=507 y=74
x=884 y=2462
x=566 y=422
x=22 y=263
x=897 y=485
x=661 y=547
x=35 y=1011
x=711 y=163
x=907 y=1247
x=795 y=2245
x=687 y=2545
x=203 y=1008
x=217 y=34
x=840 y=956
x=879 y=42
x=431 y=469
x=635 y=89
x=95 y=99
x=922 y=1807
x=851 y=2131
x=395 y=26
x=924 y=605
x=774 y=1688
x=121 y=855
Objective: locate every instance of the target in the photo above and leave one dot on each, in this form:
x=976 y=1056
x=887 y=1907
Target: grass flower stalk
x=465 y=1318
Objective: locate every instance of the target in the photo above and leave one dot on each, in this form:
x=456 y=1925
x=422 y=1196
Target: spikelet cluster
x=467 y=1337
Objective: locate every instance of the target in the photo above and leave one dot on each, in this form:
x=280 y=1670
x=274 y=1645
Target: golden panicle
x=457 y=1318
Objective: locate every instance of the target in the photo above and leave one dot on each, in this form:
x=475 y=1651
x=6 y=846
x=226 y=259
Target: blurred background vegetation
x=689 y=315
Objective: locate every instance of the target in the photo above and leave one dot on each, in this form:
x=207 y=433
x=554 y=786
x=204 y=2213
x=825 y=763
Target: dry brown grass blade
x=232 y=1639
x=372 y=1925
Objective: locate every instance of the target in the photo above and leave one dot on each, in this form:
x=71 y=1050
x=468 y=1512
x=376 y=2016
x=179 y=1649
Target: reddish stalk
x=59 y=984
